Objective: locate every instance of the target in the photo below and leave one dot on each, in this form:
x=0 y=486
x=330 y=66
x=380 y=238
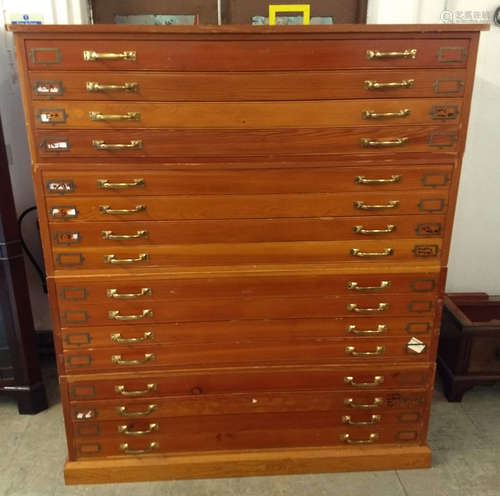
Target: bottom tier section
x=247 y=463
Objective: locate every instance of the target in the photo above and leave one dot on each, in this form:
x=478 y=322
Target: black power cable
x=38 y=268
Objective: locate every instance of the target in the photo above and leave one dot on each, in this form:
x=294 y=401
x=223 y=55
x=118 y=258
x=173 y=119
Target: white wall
x=54 y=11
x=474 y=258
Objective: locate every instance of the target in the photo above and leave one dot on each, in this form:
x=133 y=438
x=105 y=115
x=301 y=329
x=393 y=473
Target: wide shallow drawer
x=341 y=350
x=297 y=331
x=359 y=251
x=261 y=55
x=247 y=432
x=365 y=203
x=302 y=281
x=60 y=144
x=253 y=307
x=246 y=115
x=108 y=182
x=84 y=235
x=204 y=391
x=250 y=86
x=352 y=402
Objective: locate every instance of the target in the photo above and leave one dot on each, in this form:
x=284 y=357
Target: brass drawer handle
x=148 y=357
x=375 y=419
x=353 y=307
x=152 y=446
x=363 y=180
x=91 y=56
x=117 y=338
x=375 y=85
x=122 y=390
x=113 y=293
x=110 y=236
x=370 y=143
x=377 y=380
x=347 y=439
x=361 y=230
x=122 y=410
x=101 y=145
x=409 y=53
x=94 y=86
x=115 y=315
x=105 y=184
x=361 y=205
x=107 y=210
x=386 y=253
x=124 y=429
x=354 y=286
x=129 y=116
x=371 y=114
x=377 y=402
x=351 y=350
x=111 y=259
x=381 y=329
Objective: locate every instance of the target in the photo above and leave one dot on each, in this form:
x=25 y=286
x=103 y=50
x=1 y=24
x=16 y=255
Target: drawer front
x=249 y=115
x=171 y=287
x=363 y=203
x=191 y=392
x=60 y=144
x=261 y=55
x=353 y=403
x=107 y=235
x=344 y=350
x=358 y=251
x=250 y=86
x=210 y=309
x=484 y=355
x=298 y=331
x=247 y=432
x=331 y=179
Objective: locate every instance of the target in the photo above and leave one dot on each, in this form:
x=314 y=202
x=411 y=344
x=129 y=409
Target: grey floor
x=465 y=439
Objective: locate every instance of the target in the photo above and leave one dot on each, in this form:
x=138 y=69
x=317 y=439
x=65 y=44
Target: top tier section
x=244 y=29
x=71 y=75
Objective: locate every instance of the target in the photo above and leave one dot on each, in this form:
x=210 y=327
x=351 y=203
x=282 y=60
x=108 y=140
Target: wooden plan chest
x=246 y=231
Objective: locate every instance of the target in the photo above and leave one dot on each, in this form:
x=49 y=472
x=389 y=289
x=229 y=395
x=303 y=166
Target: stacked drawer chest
x=245 y=232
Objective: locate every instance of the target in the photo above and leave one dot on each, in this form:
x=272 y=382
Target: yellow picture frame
x=304 y=8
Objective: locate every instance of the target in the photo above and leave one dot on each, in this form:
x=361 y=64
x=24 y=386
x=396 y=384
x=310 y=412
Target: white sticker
x=57 y=145
x=45 y=117
x=416 y=345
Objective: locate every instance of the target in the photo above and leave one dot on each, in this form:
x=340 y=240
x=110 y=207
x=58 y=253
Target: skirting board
x=246 y=463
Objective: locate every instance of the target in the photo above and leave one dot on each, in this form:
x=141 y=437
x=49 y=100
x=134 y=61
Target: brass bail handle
x=92 y=56
x=409 y=53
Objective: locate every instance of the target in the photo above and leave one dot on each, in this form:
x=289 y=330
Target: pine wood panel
x=84 y=235
x=249 y=86
x=292 y=331
x=172 y=355
x=332 y=178
x=260 y=55
x=199 y=383
x=246 y=115
x=245 y=206
x=370 y=252
x=210 y=309
x=65 y=144
x=315 y=283
x=384 y=402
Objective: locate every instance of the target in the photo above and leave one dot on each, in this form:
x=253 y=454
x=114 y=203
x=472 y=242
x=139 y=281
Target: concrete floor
x=465 y=439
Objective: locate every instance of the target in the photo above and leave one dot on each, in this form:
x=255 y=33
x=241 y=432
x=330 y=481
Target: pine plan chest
x=245 y=231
